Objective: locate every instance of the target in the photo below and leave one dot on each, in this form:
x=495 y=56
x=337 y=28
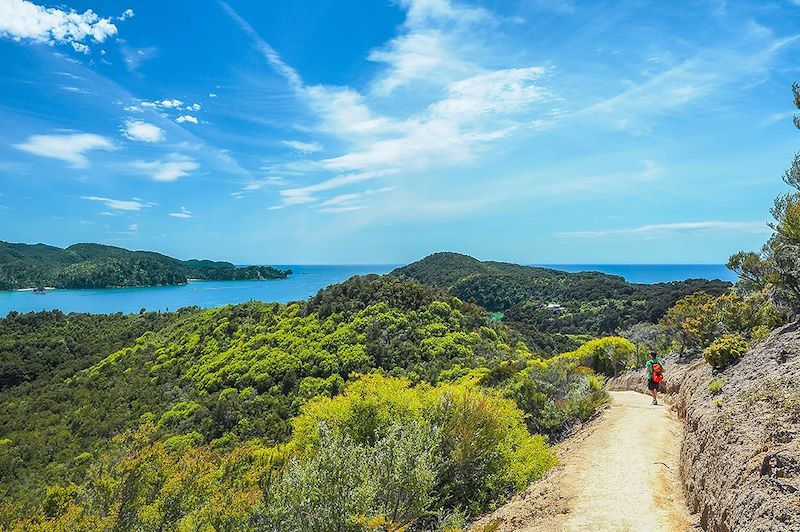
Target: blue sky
x=535 y=131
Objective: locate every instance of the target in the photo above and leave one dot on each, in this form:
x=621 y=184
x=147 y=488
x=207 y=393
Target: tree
x=644 y=336
x=777 y=268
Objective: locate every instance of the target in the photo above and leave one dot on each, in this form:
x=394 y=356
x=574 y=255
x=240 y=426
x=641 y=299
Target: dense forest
x=101 y=266
x=546 y=304
x=380 y=403
x=416 y=403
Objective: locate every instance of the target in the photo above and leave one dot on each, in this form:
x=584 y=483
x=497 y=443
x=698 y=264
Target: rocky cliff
x=740 y=456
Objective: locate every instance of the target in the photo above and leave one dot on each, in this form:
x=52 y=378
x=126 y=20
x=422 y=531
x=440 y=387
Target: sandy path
x=618 y=474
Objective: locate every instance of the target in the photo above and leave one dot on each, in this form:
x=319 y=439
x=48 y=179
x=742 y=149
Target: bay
x=306 y=281
x=653 y=273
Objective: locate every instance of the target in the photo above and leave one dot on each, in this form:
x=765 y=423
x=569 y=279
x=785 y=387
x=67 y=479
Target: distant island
x=34 y=266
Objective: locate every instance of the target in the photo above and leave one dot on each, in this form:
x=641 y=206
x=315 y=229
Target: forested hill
x=550 y=301
x=379 y=399
x=101 y=266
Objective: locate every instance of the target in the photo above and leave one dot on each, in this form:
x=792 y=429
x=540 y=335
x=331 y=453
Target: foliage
x=715 y=385
x=220 y=389
x=556 y=392
x=481 y=449
x=776 y=270
x=726 y=350
x=378 y=404
x=606 y=355
x=459 y=447
x=645 y=337
x=100 y=266
x=699 y=320
x=545 y=304
x=53 y=343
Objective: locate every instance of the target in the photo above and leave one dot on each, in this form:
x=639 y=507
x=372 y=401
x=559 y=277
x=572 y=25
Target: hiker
x=655 y=374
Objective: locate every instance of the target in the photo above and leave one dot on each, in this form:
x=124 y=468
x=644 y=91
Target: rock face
x=740 y=457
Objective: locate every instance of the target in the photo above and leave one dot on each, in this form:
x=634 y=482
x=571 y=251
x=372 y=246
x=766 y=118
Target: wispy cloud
x=650 y=229
x=169 y=169
x=303 y=147
x=688 y=82
x=70 y=147
x=183 y=213
x=777 y=117
x=473 y=106
x=302 y=195
x=116 y=204
x=354 y=201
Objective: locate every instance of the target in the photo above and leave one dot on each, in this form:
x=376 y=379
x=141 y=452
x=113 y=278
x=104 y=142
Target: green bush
x=555 y=393
x=480 y=448
x=345 y=485
x=715 y=386
x=725 y=351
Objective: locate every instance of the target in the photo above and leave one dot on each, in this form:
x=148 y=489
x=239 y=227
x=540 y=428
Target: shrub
x=725 y=351
x=715 y=386
x=556 y=392
x=325 y=492
x=473 y=441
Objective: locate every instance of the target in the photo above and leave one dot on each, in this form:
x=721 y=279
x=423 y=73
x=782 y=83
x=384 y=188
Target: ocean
x=306 y=281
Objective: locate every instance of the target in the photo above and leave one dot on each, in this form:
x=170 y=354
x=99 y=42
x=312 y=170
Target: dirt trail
x=620 y=473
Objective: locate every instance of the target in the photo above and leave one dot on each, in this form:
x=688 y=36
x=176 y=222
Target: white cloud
x=302 y=195
x=170 y=103
x=193 y=107
x=452 y=128
x=777 y=117
x=686 y=82
x=69 y=148
x=343 y=208
x=142 y=131
x=266 y=182
x=24 y=20
x=466 y=104
x=183 y=213
x=644 y=230
x=133 y=227
x=303 y=147
x=120 y=205
x=416 y=56
x=354 y=201
x=187 y=118
x=212 y=95
x=174 y=167
x=128 y=13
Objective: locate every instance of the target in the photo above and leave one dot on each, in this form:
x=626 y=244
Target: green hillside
x=541 y=300
x=359 y=369
x=101 y=266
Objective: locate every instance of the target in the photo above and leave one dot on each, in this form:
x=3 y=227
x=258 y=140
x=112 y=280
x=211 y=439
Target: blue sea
x=304 y=282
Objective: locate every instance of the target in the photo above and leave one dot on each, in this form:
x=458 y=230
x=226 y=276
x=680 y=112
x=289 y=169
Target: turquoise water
x=305 y=282
x=654 y=273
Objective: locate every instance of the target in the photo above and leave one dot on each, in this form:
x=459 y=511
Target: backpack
x=658 y=372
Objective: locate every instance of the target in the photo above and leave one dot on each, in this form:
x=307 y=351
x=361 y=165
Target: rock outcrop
x=740 y=457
